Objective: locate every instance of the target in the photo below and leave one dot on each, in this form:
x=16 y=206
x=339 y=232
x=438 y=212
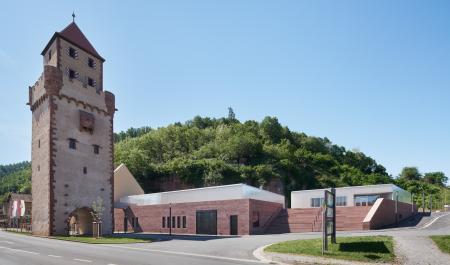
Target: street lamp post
x=170 y=219
x=423 y=201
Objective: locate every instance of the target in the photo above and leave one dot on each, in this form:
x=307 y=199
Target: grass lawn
x=102 y=240
x=364 y=248
x=443 y=242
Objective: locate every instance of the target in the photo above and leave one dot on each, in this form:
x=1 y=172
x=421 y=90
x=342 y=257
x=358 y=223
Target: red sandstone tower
x=72 y=138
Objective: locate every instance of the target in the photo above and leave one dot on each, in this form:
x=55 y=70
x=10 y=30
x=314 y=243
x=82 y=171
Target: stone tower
x=72 y=137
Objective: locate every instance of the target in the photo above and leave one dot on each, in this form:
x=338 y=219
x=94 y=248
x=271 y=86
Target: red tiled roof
x=73 y=34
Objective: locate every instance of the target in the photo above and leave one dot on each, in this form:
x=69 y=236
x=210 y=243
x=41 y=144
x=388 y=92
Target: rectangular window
x=96 y=149
x=184 y=221
x=49 y=55
x=91 y=63
x=178 y=221
x=39 y=143
x=341 y=201
x=163 y=222
x=365 y=200
x=72 y=53
x=173 y=221
x=316 y=202
x=136 y=223
x=72 y=74
x=168 y=222
x=85 y=170
x=91 y=82
x=72 y=143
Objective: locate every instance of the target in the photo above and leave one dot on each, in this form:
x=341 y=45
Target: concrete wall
x=125 y=184
x=382 y=213
x=150 y=216
x=302 y=199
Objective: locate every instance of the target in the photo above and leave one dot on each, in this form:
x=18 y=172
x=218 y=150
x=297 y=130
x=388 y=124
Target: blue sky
x=372 y=75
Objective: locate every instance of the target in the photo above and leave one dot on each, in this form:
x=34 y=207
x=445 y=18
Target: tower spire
x=73 y=16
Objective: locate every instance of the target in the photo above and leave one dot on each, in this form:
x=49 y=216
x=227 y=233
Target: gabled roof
x=75 y=36
x=18 y=197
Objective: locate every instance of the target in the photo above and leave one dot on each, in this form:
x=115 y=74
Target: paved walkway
x=419 y=250
x=413 y=246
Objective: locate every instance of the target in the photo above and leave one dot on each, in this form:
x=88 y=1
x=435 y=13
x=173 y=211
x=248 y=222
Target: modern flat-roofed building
x=350 y=196
x=236 y=209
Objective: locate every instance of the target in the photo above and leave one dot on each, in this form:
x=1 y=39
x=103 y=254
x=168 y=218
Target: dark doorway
x=125 y=224
x=233 y=224
x=206 y=222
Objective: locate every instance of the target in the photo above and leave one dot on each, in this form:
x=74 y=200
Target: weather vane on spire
x=73 y=16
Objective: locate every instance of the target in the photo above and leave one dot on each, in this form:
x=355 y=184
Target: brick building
x=72 y=137
x=236 y=209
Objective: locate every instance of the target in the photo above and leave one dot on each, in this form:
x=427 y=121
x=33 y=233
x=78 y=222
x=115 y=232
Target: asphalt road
x=26 y=250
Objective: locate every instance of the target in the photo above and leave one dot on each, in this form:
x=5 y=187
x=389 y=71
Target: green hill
x=206 y=151
x=15 y=178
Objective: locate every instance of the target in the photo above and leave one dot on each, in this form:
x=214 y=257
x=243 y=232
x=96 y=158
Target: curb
x=259 y=255
x=288 y=259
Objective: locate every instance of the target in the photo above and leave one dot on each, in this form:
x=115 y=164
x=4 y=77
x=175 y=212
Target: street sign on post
x=328 y=218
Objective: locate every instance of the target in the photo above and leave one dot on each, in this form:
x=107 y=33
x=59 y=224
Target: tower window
x=72 y=74
x=91 y=63
x=49 y=55
x=85 y=170
x=96 y=149
x=91 y=82
x=73 y=53
x=72 y=143
x=39 y=143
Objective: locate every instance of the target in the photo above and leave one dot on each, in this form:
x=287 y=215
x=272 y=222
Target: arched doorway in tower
x=80 y=221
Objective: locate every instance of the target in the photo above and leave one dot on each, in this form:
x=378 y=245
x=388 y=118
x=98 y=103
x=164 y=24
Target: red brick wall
x=267 y=212
x=150 y=216
x=385 y=214
x=119 y=215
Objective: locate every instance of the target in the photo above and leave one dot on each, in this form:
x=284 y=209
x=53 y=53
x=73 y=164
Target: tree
x=437 y=178
x=271 y=129
x=410 y=173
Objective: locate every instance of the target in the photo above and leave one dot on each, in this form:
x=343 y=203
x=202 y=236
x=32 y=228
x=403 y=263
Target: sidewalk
x=419 y=250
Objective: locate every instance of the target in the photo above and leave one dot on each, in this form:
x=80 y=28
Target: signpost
x=328 y=218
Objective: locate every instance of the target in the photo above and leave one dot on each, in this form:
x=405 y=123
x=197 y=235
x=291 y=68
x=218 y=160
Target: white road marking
x=435 y=219
x=20 y=250
x=83 y=260
x=190 y=254
x=54 y=256
x=7 y=242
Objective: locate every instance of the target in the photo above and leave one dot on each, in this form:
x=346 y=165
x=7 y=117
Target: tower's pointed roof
x=74 y=35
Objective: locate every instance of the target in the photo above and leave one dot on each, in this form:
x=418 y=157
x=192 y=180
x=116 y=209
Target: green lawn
x=102 y=240
x=364 y=248
x=443 y=242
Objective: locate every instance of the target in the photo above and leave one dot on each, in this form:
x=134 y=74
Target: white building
x=350 y=196
x=215 y=193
